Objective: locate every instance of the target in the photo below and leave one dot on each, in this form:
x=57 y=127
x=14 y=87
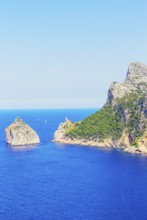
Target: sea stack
x=20 y=134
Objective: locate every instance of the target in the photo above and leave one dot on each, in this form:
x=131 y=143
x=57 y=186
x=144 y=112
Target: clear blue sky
x=66 y=53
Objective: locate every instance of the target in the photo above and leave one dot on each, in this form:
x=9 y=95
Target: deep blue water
x=62 y=182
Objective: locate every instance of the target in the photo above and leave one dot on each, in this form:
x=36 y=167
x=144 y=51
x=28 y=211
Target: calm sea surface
x=66 y=182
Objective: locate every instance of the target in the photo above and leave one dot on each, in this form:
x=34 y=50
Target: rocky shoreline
x=122 y=143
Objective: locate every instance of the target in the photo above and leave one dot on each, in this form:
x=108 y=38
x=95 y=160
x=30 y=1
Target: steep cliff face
x=19 y=133
x=122 y=122
x=136 y=80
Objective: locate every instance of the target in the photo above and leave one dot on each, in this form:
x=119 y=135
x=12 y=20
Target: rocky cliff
x=122 y=122
x=136 y=80
x=19 y=133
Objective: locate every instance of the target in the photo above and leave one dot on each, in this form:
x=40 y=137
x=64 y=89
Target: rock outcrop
x=122 y=122
x=63 y=127
x=136 y=80
x=19 y=134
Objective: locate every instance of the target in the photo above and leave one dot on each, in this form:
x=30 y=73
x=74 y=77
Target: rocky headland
x=121 y=123
x=20 y=134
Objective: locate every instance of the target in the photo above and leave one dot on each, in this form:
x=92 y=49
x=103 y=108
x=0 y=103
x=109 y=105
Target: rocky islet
x=20 y=134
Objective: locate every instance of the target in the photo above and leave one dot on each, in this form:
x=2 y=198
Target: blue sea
x=53 y=181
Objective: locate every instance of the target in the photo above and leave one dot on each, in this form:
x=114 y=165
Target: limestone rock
x=63 y=127
x=19 y=133
x=141 y=148
x=142 y=142
x=136 y=72
x=136 y=79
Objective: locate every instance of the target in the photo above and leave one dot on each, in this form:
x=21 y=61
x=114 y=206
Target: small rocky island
x=19 y=134
x=121 y=123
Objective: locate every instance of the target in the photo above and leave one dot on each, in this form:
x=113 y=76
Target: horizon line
x=60 y=108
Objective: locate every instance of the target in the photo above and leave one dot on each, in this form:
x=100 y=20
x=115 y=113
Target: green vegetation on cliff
x=112 y=120
x=101 y=124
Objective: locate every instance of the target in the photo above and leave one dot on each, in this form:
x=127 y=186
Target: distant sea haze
x=68 y=182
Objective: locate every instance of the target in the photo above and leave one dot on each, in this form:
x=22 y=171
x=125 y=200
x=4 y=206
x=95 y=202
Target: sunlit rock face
x=136 y=80
x=19 y=134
